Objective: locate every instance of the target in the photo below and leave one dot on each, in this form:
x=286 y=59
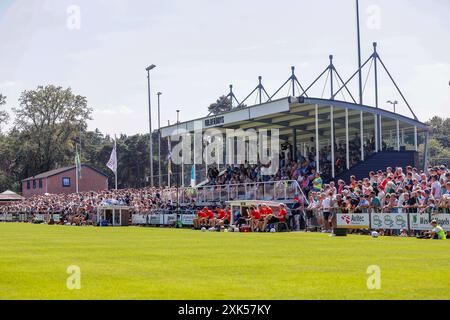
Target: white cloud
x=114 y=110
x=7 y=84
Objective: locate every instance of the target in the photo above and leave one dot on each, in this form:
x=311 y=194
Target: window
x=66 y=182
x=40 y=183
x=34 y=184
x=28 y=185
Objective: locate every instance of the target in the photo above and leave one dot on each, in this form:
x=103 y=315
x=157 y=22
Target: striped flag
x=193 y=178
x=112 y=163
x=169 y=160
x=78 y=164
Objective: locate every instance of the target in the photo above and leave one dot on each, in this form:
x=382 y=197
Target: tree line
x=51 y=122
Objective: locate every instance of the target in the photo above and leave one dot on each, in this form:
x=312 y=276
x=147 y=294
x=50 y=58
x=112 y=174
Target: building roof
x=280 y=114
x=9 y=195
x=55 y=172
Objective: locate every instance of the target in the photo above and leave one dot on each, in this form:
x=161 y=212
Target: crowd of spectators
x=84 y=205
x=302 y=170
x=390 y=191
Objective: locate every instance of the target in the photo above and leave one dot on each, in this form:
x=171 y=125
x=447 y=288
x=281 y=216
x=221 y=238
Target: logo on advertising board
x=420 y=221
x=443 y=220
x=353 y=221
x=393 y=221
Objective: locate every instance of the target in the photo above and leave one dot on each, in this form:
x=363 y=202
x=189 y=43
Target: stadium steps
x=380 y=161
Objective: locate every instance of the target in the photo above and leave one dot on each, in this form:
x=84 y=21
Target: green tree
x=4 y=117
x=440 y=130
x=223 y=104
x=47 y=122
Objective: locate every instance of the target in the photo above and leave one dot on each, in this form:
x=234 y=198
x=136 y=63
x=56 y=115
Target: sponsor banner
x=9 y=217
x=39 y=217
x=2 y=217
x=170 y=219
x=139 y=219
x=389 y=221
x=419 y=221
x=155 y=219
x=353 y=220
x=443 y=220
x=56 y=217
x=188 y=219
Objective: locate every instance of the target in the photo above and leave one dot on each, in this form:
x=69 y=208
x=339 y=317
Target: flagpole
x=76 y=168
x=112 y=163
x=115 y=148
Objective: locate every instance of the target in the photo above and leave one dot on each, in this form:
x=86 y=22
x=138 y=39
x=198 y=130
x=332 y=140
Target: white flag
x=112 y=163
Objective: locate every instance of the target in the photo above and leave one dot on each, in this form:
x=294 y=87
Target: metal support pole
x=398 y=135
x=359 y=53
x=317 y=139
x=260 y=89
x=375 y=116
x=425 y=152
x=150 y=123
x=293 y=80
x=159 y=141
x=231 y=94
x=416 y=147
x=294 y=145
x=333 y=169
x=331 y=67
x=380 y=131
x=362 y=135
x=347 y=140
x=375 y=57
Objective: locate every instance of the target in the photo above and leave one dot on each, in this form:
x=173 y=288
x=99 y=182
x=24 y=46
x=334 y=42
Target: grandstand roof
x=283 y=114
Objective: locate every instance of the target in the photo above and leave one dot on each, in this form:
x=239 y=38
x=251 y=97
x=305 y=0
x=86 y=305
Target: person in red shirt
x=266 y=213
x=201 y=219
x=210 y=218
x=223 y=217
x=220 y=215
x=280 y=217
x=256 y=220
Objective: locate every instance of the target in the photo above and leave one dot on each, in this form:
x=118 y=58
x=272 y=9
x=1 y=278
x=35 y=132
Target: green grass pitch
x=146 y=263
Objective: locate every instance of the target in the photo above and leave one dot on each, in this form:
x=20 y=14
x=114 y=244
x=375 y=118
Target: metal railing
x=283 y=191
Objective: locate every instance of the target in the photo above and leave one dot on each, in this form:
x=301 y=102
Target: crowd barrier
x=284 y=191
x=163 y=218
x=29 y=217
x=392 y=221
x=373 y=221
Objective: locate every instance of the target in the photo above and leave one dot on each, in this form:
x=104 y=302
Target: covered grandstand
x=341 y=137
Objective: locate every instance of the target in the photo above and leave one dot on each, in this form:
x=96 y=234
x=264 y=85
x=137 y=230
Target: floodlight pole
x=150 y=122
x=378 y=121
x=331 y=68
x=359 y=54
x=178 y=176
x=159 y=140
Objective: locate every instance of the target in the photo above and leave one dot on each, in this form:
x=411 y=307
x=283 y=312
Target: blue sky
x=202 y=46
